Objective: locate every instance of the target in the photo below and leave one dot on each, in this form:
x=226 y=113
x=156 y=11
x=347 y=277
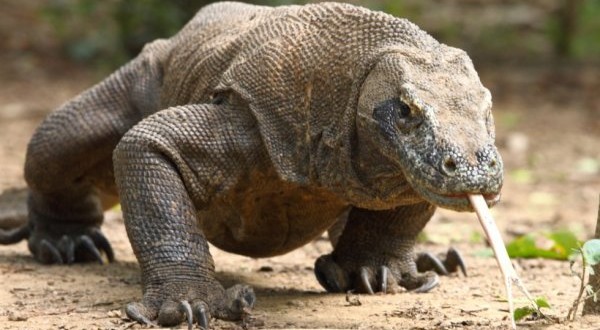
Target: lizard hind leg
x=68 y=166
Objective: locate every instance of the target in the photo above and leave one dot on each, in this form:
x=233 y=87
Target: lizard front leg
x=167 y=167
x=375 y=252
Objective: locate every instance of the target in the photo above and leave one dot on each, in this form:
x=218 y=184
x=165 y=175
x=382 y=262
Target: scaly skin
x=257 y=129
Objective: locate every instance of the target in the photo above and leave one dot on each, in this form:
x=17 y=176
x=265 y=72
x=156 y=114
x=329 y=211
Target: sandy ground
x=550 y=143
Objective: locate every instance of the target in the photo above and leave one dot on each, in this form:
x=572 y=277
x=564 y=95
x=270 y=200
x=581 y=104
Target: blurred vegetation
x=107 y=33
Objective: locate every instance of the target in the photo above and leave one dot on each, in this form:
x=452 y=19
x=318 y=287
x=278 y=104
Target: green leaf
x=542 y=302
x=564 y=242
x=523 y=312
x=522 y=247
x=591 y=252
x=525 y=247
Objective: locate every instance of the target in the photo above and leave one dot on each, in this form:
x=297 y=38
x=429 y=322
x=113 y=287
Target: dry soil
x=548 y=131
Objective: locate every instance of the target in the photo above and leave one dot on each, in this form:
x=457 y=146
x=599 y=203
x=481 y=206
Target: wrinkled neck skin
x=345 y=165
x=381 y=179
x=422 y=130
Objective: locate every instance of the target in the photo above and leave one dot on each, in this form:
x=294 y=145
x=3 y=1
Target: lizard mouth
x=457 y=201
x=489 y=198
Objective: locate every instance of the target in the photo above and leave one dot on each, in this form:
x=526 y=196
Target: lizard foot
x=231 y=304
x=68 y=243
x=419 y=275
x=452 y=262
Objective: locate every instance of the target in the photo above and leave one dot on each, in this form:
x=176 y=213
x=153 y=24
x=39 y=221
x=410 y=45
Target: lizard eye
x=393 y=108
x=394 y=115
x=403 y=109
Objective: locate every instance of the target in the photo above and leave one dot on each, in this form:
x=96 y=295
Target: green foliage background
x=109 y=32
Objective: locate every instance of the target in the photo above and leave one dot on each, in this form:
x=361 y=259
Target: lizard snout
x=480 y=172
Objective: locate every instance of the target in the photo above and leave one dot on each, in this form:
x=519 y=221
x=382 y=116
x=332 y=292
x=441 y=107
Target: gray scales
x=257 y=129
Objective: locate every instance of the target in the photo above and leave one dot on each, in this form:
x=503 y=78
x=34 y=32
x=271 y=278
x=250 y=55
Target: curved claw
x=87 y=243
x=202 y=316
x=132 y=311
x=426 y=261
x=103 y=244
x=67 y=245
x=331 y=276
x=383 y=278
x=430 y=281
x=454 y=260
x=419 y=282
x=14 y=235
x=364 y=281
x=186 y=309
x=49 y=254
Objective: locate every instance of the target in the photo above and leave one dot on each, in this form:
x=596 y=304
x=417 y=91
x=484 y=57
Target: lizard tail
x=13 y=216
x=15 y=235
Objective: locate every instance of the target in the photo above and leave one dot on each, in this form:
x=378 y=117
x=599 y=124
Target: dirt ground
x=548 y=128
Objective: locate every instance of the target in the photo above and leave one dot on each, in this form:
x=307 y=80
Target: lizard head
x=428 y=115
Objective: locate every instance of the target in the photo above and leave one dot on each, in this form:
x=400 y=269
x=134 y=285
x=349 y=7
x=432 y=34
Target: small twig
x=573 y=310
x=508 y=272
x=473 y=311
x=593 y=280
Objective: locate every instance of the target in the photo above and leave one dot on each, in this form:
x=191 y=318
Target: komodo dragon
x=257 y=129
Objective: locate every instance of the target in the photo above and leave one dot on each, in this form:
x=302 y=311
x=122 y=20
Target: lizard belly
x=266 y=217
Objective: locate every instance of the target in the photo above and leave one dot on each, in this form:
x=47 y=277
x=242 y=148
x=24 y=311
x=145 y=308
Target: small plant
x=590 y=256
x=523 y=312
x=558 y=245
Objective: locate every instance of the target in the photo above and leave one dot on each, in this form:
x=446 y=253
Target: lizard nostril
x=493 y=166
x=449 y=165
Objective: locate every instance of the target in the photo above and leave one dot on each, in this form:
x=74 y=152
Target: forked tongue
x=495 y=239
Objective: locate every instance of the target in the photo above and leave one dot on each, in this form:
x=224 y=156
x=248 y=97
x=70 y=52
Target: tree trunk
x=590 y=306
